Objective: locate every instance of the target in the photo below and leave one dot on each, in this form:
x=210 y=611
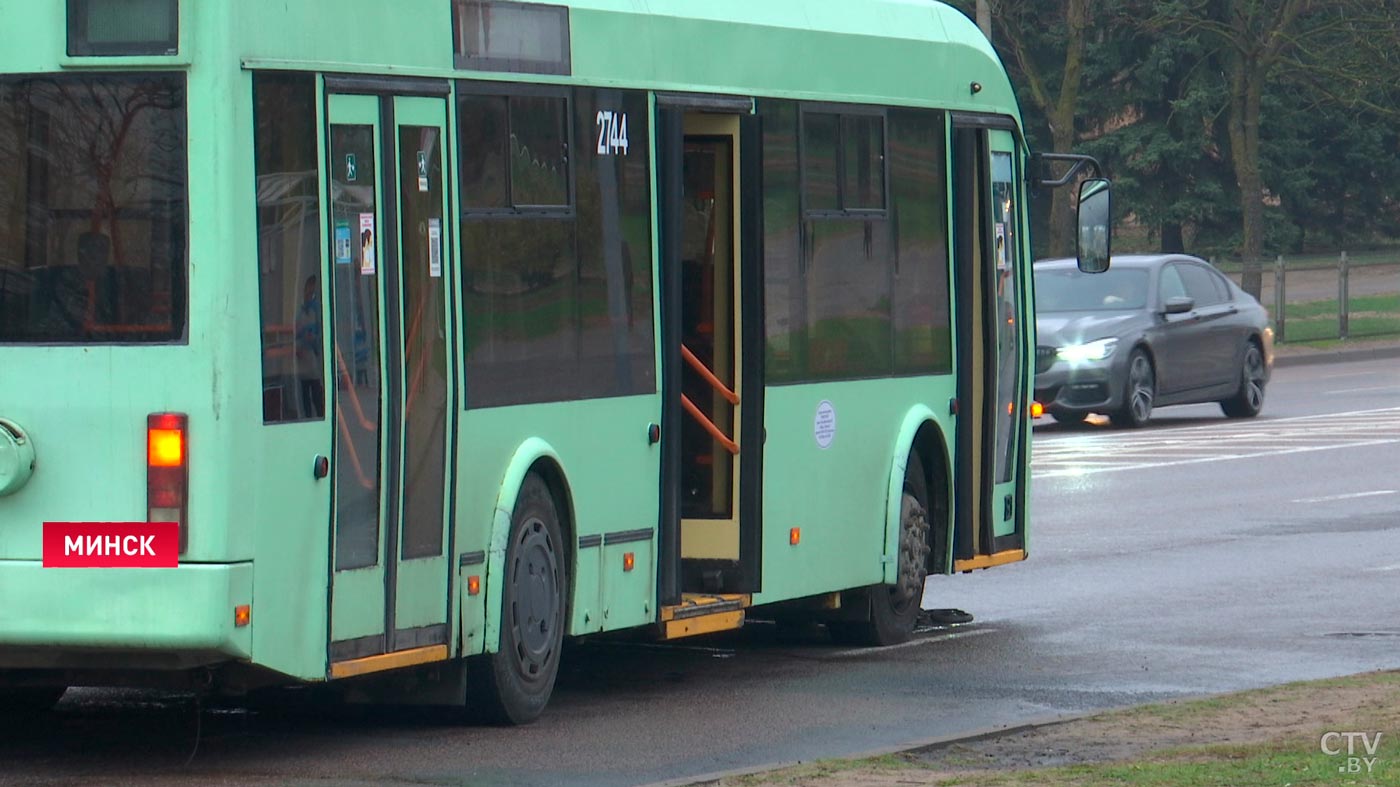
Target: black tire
x=894 y=609
x=19 y=703
x=1249 y=399
x=1069 y=419
x=1139 y=391
x=519 y=677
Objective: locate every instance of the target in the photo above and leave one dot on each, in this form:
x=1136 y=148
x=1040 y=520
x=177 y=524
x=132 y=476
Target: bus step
x=703 y=613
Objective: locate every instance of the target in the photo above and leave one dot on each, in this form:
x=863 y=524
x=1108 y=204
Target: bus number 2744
x=612 y=133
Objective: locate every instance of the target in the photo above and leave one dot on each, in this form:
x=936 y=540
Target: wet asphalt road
x=1198 y=555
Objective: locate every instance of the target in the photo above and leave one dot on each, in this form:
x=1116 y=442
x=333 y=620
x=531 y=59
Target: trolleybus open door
x=993 y=323
x=712 y=375
x=391 y=343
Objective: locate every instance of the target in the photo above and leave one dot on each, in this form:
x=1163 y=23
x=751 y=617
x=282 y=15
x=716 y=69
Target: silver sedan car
x=1151 y=331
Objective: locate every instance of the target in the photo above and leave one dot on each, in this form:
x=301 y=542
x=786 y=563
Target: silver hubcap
x=1254 y=378
x=1140 y=388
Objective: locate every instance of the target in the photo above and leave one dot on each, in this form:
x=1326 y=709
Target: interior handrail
x=715 y=432
x=704 y=371
x=365 y=423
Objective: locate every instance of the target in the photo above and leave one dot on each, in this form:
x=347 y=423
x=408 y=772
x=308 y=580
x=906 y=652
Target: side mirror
x=1178 y=304
x=1095 y=225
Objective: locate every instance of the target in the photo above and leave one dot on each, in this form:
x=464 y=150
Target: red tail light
x=168 y=471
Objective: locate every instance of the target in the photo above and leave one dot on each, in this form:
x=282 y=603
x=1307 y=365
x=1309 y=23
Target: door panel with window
x=390 y=345
x=1213 y=309
x=1209 y=340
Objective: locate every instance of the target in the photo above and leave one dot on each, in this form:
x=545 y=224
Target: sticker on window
x=344 y=243
x=366 y=244
x=435 y=248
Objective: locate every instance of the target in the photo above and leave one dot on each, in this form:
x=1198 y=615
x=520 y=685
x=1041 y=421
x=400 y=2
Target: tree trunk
x=1172 y=240
x=1062 y=132
x=1062 y=224
x=1246 y=89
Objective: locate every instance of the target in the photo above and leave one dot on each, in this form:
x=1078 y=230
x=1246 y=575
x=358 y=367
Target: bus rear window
x=93 y=210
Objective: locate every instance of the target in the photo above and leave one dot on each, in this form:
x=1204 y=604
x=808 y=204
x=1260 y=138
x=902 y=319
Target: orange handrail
x=720 y=437
x=365 y=423
x=704 y=371
x=353 y=454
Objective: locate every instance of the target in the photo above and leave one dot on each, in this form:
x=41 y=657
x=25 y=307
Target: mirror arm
x=1078 y=162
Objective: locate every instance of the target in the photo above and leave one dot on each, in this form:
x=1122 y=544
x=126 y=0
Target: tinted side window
x=616 y=342
x=1170 y=285
x=783 y=301
x=289 y=246
x=93 y=212
x=919 y=223
x=539 y=152
x=1202 y=285
x=854 y=287
x=843 y=162
x=556 y=248
x=515 y=153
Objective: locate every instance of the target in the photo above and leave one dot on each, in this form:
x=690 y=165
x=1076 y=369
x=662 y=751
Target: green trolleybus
x=437 y=331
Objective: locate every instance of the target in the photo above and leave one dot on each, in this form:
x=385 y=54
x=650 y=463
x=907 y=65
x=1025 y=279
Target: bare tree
x=1334 y=46
x=1053 y=76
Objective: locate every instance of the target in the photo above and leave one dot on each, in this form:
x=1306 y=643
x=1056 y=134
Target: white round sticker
x=824 y=425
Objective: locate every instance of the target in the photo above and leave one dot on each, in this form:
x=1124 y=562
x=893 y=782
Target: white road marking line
x=1395 y=567
x=1369 y=388
x=911 y=643
x=1352 y=496
x=1352 y=374
x=1201 y=460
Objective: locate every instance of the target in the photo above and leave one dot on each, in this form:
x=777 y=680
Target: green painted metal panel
x=189 y=609
x=838 y=495
x=602 y=450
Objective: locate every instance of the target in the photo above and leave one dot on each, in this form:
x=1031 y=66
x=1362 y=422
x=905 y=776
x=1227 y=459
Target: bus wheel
x=29 y=701
x=520 y=675
x=895 y=608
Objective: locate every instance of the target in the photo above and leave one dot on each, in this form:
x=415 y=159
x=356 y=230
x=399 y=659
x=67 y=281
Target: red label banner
x=111 y=545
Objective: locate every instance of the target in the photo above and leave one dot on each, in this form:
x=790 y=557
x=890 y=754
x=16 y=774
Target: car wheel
x=1249 y=399
x=894 y=609
x=1069 y=418
x=1138 y=392
x=520 y=676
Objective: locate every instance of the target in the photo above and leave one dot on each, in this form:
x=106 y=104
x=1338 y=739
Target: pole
x=1278 y=297
x=984 y=17
x=1343 y=298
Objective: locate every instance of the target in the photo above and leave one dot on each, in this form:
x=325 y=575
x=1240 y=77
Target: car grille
x=1044 y=358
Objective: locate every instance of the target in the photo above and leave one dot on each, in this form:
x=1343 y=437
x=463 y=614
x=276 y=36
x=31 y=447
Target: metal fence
x=1317 y=298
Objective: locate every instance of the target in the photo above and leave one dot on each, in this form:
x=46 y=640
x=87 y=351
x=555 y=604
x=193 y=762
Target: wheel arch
x=920 y=433
x=539 y=457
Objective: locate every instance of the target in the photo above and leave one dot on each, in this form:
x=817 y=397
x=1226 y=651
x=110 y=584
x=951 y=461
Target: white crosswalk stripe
x=1080 y=454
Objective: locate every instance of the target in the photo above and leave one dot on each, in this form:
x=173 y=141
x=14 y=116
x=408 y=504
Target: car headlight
x=1092 y=351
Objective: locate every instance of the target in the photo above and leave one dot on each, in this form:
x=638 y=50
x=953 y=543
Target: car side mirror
x=1095 y=225
x=1178 y=304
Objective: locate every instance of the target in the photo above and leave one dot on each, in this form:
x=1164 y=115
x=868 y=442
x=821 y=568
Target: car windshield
x=1069 y=290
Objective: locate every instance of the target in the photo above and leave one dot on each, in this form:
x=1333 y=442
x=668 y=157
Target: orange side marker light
x=629 y=561
x=473 y=585
x=165 y=447
x=795 y=536
x=242 y=615
x=1037 y=409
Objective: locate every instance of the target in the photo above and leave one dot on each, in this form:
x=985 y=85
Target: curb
x=1336 y=356
x=914 y=745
